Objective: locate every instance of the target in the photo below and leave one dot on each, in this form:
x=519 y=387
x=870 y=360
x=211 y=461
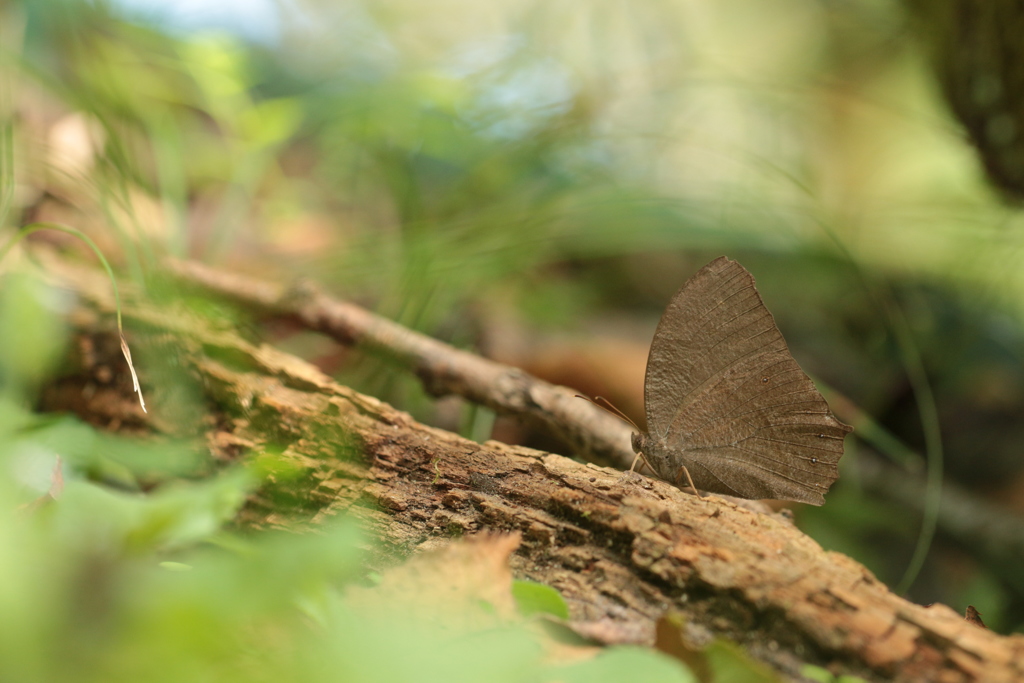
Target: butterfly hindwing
x=725 y=397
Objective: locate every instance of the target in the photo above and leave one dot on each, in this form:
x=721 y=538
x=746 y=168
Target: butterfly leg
x=631 y=472
x=640 y=456
x=632 y=468
x=689 y=479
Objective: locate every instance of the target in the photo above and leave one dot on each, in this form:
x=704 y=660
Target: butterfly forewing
x=726 y=397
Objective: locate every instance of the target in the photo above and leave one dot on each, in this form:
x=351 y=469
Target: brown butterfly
x=726 y=403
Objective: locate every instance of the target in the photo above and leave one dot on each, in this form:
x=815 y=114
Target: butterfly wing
x=725 y=397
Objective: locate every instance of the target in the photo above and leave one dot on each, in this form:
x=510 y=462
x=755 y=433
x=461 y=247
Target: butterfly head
x=656 y=454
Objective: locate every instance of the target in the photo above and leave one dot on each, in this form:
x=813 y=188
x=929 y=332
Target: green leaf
x=626 y=663
x=32 y=332
x=177 y=515
x=536 y=598
x=816 y=673
x=729 y=662
x=176 y=566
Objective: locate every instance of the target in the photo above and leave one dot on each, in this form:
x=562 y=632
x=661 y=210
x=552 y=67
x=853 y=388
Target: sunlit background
x=533 y=181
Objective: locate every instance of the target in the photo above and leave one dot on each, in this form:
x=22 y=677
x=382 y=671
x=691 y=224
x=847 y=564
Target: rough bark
x=621 y=551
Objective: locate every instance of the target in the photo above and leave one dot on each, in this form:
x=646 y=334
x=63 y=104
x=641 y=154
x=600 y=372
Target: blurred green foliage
x=542 y=162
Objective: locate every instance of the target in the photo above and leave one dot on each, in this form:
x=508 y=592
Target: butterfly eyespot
x=764 y=380
x=821 y=436
x=814 y=460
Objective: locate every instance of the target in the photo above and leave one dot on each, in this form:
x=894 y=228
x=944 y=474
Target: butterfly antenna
x=607 y=405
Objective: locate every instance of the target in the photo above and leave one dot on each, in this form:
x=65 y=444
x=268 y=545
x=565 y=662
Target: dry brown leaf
x=466 y=583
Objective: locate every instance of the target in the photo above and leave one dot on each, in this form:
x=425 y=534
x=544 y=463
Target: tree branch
x=443 y=369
